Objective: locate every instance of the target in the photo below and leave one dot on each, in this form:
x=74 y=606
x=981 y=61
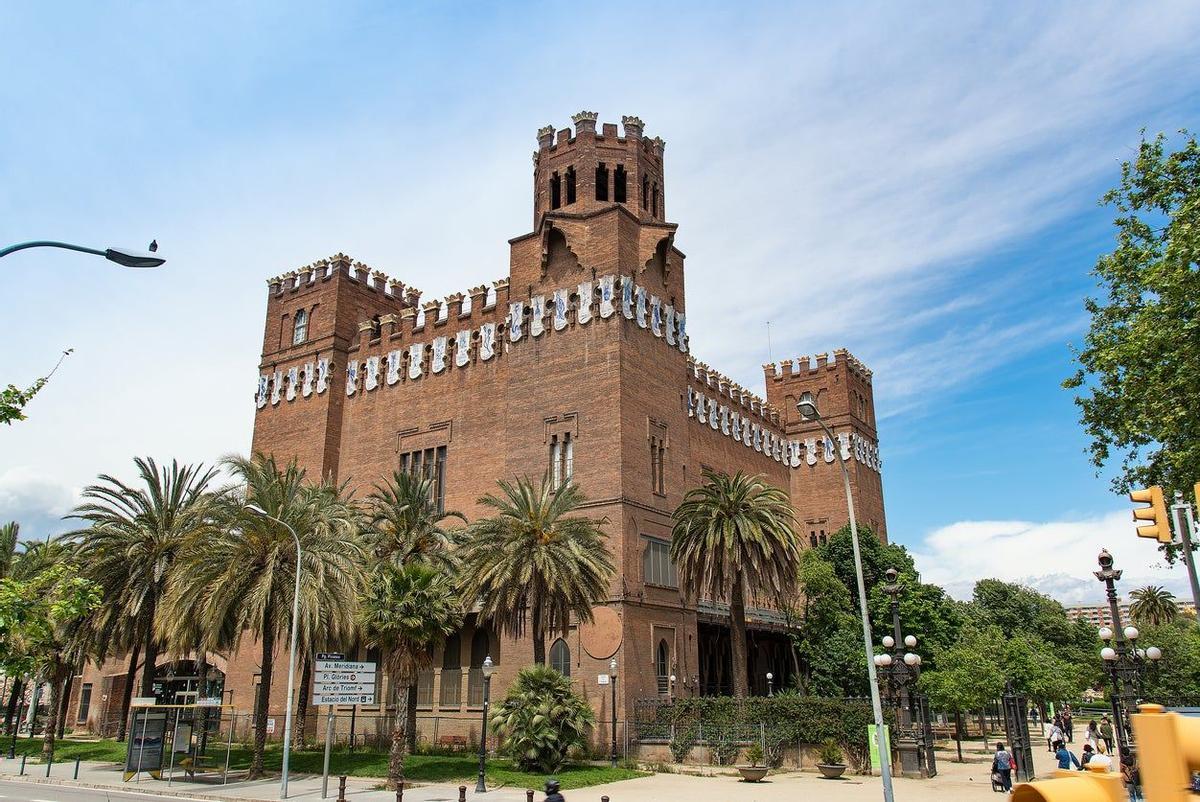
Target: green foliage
x=682 y=742
x=13 y=399
x=724 y=748
x=754 y=754
x=876 y=558
x=830 y=754
x=1153 y=605
x=404 y=524
x=40 y=615
x=969 y=675
x=404 y=612
x=1174 y=680
x=541 y=719
x=534 y=555
x=925 y=611
x=1138 y=376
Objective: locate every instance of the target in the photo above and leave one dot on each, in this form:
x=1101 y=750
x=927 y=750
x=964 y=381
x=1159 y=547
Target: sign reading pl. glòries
x=344 y=676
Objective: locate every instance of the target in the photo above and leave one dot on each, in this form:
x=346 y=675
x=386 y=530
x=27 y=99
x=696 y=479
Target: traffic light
x=1096 y=785
x=1156 y=512
x=1168 y=752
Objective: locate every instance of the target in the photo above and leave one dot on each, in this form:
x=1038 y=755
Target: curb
x=165 y=792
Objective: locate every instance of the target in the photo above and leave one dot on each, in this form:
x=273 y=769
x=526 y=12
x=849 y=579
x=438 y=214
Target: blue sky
x=918 y=183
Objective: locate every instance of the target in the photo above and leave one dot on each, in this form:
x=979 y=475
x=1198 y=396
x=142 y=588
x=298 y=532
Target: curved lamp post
x=487 y=669
x=807 y=408
x=287 y=718
x=127 y=257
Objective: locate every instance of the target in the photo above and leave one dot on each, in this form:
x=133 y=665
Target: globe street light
x=770 y=684
x=612 y=680
x=287 y=718
x=487 y=670
x=808 y=411
x=127 y=257
x=913 y=736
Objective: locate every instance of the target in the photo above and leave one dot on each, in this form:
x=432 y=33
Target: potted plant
x=754 y=772
x=829 y=758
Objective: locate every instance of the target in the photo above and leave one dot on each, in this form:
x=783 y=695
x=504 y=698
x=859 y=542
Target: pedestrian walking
x=1131 y=776
x=1086 y=755
x=1106 y=734
x=552 y=791
x=1065 y=757
x=1092 y=738
x=1068 y=724
x=1101 y=758
x=1002 y=764
x=1054 y=736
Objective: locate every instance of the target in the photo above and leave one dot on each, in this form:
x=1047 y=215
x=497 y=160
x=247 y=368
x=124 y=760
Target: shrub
x=830 y=753
x=541 y=719
x=724 y=748
x=754 y=754
x=681 y=745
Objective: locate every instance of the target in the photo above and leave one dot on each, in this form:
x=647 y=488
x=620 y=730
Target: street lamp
x=612 y=680
x=287 y=718
x=487 y=670
x=808 y=411
x=127 y=257
x=770 y=686
x=903 y=669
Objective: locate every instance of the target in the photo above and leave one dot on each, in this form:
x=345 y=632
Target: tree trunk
x=958 y=733
x=264 y=694
x=14 y=699
x=202 y=693
x=58 y=677
x=539 y=638
x=150 y=650
x=62 y=705
x=399 y=741
x=302 y=702
x=411 y=713
x=737 y=638
x=127 y=692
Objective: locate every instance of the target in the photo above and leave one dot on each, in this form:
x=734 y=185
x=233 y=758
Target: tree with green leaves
x=1175 y=679
x=877 y=558
x=541 y=719
x=533 y=564
x=1153 y=604
x=826 y=646
x=733 y=538
x=1138 y=376
x=405 y=611
x=239 y=580
x=926 y=611
x=967 y=678
x=134 y=535
x=13 y=399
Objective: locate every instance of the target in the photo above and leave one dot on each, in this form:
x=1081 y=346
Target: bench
x=456 y=742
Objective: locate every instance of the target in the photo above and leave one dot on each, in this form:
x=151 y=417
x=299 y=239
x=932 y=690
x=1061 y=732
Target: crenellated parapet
x=807 y=365
x=323 y=270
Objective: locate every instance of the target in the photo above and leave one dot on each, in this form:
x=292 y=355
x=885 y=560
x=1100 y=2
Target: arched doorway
x=178 y=682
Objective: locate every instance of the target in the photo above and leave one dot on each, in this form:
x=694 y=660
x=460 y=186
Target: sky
x=916 y=182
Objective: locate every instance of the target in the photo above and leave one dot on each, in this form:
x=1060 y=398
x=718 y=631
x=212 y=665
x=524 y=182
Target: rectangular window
x=657 y=567
x=562 y=458
x=85 y=702
x=658 y=463
x=430 y=464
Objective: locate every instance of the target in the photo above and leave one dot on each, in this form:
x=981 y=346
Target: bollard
x=49 y=763
x=462 y=793
x=22 y=772
x=529 y=796
x=400 y=792
x=603 y=799
x=342 y=788
x=76 y=777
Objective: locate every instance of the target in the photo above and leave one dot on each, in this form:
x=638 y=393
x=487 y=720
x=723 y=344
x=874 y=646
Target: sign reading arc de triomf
x=576 y=362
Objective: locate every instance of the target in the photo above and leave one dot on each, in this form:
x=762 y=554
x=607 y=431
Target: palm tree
x=134 y=537
x=405 y=524
x=8 y=546
x=532 y=557
x=405 y=612
x=733 y=537
x=241 y=578
x=1153 y=604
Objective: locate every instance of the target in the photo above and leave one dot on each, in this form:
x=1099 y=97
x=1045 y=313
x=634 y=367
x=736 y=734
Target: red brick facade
x=584 y=338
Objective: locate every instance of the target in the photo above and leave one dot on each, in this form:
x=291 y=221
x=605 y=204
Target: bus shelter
x=166 y=739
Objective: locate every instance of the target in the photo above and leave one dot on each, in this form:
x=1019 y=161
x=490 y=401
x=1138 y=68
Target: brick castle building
x=577 y=362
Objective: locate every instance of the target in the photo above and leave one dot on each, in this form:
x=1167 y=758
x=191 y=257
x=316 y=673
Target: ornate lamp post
x=770 y=684
x=612 y=680
x=900 y=670
x=1124 y=662
x=487 y=671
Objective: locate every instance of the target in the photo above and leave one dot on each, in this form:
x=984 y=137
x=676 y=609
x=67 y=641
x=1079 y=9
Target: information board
x=145 y=751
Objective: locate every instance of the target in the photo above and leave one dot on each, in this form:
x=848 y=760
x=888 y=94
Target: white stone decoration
x=655 y=316
x=766 y=442
x=756 y=436
x=641 y=307
x=487 y=341
x=394 y=360
x=606 y=296
x=322 y=375
x=351 y=376
x=584 y=313
x=276 y=386
x=560 y=309
x=747 y=441
x=735 y=424
x=724 y=420
x=669 y=323
x=420 y=322
x=437 y=362
x=681 y=334
x=293 y=383
x=306 y=387
x=714 y=415
x=627 y=297
x=844 y=444
x=702 y=409
x=810 y=450
x=516 y=316
x=264 y=389
x=827 y=448
x=416 y=353
x=537 y=319
x=691 y=402
x=371 y=373
x=778 y=450
x=794 y=457
x=462 y=347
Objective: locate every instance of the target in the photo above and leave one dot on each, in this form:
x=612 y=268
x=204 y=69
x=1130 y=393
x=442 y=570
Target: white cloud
x=1055 y=557
x=36 y=501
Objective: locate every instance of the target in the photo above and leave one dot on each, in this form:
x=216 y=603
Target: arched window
x=654 y=199
x=662 y=666
x=300 y=327
x=452 y=654
x=570 y=185
x=619 y=193
x=601 y=182
x=645 y=191
x=555 y=191
x=481 y=644
x=560 y=657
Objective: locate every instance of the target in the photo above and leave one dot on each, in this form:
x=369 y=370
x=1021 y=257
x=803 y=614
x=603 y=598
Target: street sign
x=344 y=699
x=602 y=679
x=345 y=676
x=344 y=665
x=323 y=656
x=143 y=701
x=270 y=726
x=336 y=688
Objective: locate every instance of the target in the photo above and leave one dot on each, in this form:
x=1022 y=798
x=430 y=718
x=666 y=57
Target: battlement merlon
x=807 y=365
x=338 y=266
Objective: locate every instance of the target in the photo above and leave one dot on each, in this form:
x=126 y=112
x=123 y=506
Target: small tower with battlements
x=842 y=390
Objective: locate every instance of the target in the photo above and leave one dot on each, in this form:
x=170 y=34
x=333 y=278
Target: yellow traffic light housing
x=1168 y=753
x=1094 y=785
x=1160 y=529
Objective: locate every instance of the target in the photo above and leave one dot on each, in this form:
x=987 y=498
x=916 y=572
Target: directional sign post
x=339 y=681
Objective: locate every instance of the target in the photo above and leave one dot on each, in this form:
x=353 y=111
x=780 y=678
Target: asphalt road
x=45 y=792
